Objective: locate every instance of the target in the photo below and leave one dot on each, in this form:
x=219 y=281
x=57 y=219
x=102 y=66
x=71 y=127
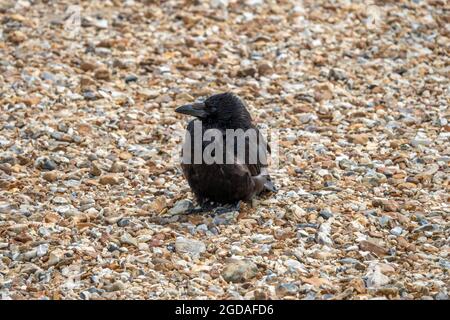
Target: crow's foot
x=214 y=208
x=228 y=208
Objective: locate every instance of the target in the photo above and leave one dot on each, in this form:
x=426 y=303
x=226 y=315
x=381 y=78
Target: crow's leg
x=215 y=208
x=228 y=208
x=195 y=210
x=205 y=206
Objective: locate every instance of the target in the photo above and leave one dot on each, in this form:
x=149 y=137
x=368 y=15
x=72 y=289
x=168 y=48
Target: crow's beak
x=196 y=110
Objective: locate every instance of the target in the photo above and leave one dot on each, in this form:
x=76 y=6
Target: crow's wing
x=256 y=154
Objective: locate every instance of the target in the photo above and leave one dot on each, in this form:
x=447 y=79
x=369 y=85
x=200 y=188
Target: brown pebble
x=88 y=66
x=265 y=69
x=17 y=37
x=109 y=179
x=50 y=176
x=373 y=247
x=95 y=170
x=102 y=74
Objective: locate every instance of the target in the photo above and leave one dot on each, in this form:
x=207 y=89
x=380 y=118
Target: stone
x=102 y=74
x=131 y=78
x=113 y=247
x=337 y=74
x=181 y=207
x=295 y=266
x=219 y=3
x=50 y=176
x=239 y=271
x=116 y=286
x=326 y=214
x=424 y=228
x=286 y=289
x=358 y=265
x=109 y=180
x=42 y=250
x=387 y=205
x=88 y=66
x=323 y=235
x=295 y=213
x=358 y=138
x=95 y=170
x=265 y=69
x=373 y=247
x=227 y=218
x=55 y=257
x=441 y=296
x=420 y=139
x=45 y=164
x=192 y=247
x=90 y=95
x=60 y=201
x=247 y=72
x=397 y=231
x=375 y=278
x=123 y=222
x=17 y=37
x=126 y=238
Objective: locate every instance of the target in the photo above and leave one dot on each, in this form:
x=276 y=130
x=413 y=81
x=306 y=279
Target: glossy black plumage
x=225 y=183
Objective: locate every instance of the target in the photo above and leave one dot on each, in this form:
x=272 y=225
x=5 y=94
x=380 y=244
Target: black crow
x=241 y=172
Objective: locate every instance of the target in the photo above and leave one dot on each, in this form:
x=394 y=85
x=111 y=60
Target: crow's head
x=225 y=109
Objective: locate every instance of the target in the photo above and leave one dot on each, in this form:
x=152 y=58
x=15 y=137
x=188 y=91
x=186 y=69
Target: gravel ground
x=91 y=195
